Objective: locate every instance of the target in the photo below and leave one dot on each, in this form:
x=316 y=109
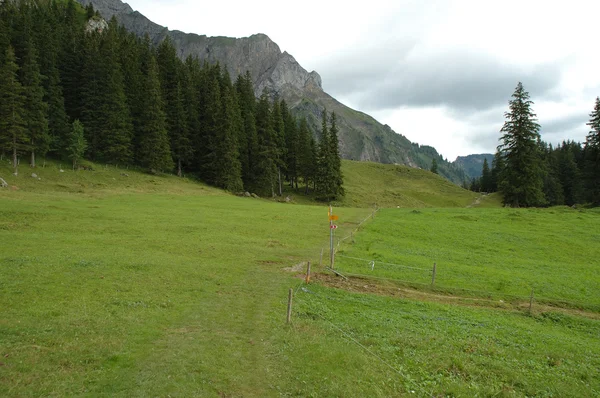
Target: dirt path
x=388 y=288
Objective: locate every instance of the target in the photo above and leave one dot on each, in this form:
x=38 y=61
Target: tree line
x=69 y=91
x=530 y=172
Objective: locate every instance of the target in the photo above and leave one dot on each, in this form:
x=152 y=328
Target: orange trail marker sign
x=333 y=217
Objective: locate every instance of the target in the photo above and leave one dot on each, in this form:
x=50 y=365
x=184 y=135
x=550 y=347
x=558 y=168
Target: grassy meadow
x=118 y=283
x=505 y=252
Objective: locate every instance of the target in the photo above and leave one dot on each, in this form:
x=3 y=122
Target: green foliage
x=521 y=180
x=592 y=156
x=13 y=133
x=36 y=110
x=154 y=149
x=434 y=166
x=77 y=143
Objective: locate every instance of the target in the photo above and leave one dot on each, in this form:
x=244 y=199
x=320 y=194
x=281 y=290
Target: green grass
x=501 y=251
x=141 y=285
x=386 y=185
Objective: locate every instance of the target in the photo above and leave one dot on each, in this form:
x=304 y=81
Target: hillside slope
x=361 y=136
x=368 y=183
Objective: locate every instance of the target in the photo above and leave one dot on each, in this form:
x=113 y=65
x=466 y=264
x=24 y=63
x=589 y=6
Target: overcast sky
x=439 y=72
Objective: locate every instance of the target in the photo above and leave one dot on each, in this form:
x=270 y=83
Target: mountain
x=473 y=164
x=361 y=136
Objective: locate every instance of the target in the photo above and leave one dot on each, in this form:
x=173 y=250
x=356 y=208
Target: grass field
x=115 y=283
x=504 y=252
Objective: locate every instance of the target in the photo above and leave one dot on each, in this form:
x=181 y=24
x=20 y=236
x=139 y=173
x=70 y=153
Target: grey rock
x=288 y=199
x=247 y=194
x=255 y=196
x=33 y=175
x=3 y=184
x=96 y=25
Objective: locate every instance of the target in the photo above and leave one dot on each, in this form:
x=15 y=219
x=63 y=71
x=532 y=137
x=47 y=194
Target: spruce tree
x=521 y=181
x=36 y=110
x=247 y=139
x=13 y=133
x=265 y=165
x=279 y=130
x=228 y=167
x=77 y=143
x=592 y=156
x=486 y=177
x=336 y=160
x=291 y=144
x=154 y=149
x=434 y=166
x=170 y=73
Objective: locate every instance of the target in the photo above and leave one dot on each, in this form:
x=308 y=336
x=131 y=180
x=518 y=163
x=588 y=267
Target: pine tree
x=305 y=154
x=521 y=181
x=170 y=73
x=154 y=149
x=36 y=110
x=336 y=160
x=13 y=134
x=291 y=145
x=229 y=169
x=569 y=175
x=247 y=139
x=279 y=130
x=592 y=156
x=324 y=172
x=265 y=164
x=47 y=39
x=434 y=166
x=77 y=143
x=486 y=177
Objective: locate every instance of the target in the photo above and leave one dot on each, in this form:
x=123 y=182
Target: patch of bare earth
x=391 y=289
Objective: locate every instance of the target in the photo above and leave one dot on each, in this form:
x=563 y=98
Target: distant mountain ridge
x=473 y=164
x=361 y=136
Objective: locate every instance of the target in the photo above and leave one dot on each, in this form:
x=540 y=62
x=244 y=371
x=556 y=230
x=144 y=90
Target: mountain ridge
x=361 y=136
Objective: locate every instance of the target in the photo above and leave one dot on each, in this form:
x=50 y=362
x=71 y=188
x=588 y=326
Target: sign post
x=330 y=214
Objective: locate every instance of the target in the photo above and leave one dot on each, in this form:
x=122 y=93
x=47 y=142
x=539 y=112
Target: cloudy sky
x=439 y=72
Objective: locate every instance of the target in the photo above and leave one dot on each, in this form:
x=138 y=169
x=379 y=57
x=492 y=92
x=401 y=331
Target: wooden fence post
x=531 y=301
x=289 y=308
x=433 y=276
x=308 y=273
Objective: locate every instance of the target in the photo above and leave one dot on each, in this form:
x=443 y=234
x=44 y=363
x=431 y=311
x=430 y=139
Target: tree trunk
x=280 y=188
x=15 y=160
x=33 y=158
x=179 y=167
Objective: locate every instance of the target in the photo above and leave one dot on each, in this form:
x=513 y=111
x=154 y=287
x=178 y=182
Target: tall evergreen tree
x=434 y=166
x=247 y=139
x=265 y=164
x=229 y=170
x=13 y=134
x=336 y=160
x=306 y=160
x=77 y=143
x=324 y=167
x=486 y=177
x=279 y=130
x=36 y=110
x=154 y=149
x=291 y=144
x=521 y=181
x=592 y=156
